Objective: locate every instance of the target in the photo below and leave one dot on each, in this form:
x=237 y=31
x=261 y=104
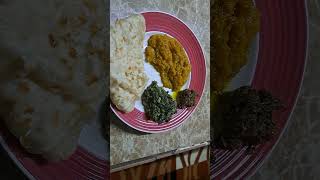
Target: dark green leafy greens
x=244 y=118
x=186 y=98
x=158 y=104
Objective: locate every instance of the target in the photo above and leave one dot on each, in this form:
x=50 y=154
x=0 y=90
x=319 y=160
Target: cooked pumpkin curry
x=234 y=24
x=168 y=57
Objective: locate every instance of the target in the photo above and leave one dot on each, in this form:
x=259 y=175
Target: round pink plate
x=158 y=22
x=280 y=66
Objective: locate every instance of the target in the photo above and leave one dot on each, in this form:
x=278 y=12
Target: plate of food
x=157 y=71
x=53 y=88
x=258 y=57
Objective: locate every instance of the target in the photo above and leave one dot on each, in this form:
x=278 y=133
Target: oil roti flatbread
x=127 y=76
x=43 y=122
x=53 y=74
x=62 y=43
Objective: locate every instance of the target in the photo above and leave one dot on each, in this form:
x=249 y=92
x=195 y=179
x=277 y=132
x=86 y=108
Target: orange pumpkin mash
x=168 y=57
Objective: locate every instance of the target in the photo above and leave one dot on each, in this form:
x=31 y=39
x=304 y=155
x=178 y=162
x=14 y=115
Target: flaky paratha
x=127 y=76
x=54 y=57
x=43 y=122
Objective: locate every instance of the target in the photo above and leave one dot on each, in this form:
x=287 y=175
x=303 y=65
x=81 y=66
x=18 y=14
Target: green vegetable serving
x=158 y=104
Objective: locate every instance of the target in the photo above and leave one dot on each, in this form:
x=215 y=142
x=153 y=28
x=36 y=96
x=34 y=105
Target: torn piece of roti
x=127 y=76
x=44 y=123
x=62 y=43
x=53 y=71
